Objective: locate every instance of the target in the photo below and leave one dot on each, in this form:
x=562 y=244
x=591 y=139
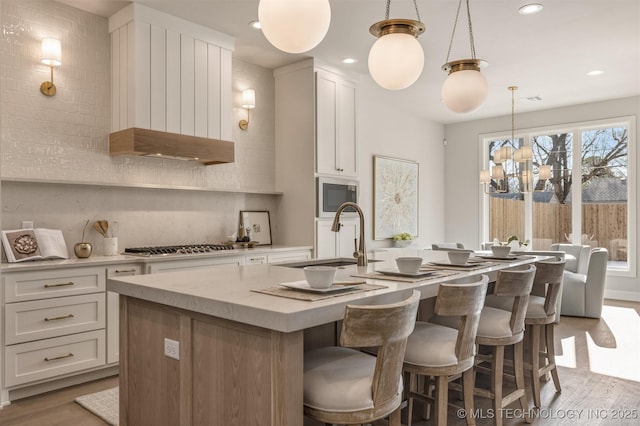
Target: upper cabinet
x=169 y=75
x=335 y=125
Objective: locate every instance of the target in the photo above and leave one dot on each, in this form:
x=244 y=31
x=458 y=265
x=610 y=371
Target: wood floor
x=611 y=346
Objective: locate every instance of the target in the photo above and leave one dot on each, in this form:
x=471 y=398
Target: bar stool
x=346 y=386
x=499 y=328
x=439 y=351
x=541 y=316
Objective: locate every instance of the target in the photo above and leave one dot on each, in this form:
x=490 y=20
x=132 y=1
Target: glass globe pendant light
x=294 y=26
x=396 y=59
x=465 y=89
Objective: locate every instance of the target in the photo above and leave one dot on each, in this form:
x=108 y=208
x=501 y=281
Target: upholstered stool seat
x=338 y=379
x=345 y=386
x=535 y=308
x=432 y=345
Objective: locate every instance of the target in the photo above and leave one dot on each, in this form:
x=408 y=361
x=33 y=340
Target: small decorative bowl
x=501 y=251
x=409 y=265
x=320 y=276
x=458 y=257
x=402 y=243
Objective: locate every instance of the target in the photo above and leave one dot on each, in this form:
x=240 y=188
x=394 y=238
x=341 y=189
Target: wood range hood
x=153 y=143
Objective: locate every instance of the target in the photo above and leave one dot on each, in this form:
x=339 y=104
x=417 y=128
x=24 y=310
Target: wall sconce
x=248 y=102
x=51 y=55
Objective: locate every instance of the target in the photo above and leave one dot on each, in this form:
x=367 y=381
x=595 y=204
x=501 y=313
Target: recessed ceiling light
x=595 y=72
x=255 y=24
x=531 y=99
x=349 y=61
x=530 y=9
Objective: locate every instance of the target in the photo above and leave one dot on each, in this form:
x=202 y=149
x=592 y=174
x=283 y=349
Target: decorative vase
x=402 y=243
x=82 y=250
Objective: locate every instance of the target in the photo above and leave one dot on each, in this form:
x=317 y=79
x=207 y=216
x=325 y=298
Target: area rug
x=103 y=404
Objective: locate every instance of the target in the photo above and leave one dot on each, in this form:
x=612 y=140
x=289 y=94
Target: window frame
x=576 y=129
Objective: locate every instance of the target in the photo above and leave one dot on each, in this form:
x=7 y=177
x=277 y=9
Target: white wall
x=64 y=138
x=384 y=129
x=462 y=167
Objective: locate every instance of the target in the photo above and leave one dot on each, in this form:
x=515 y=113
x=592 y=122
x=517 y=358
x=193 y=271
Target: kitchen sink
x=334 y=261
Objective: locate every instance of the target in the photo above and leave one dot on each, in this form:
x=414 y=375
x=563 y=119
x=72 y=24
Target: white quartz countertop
x=122 y=258
x=225 y=291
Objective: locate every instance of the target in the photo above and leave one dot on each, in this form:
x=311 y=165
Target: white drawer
x=21 y=286
x=289 y=256
x=44 y=359
x=42 y=319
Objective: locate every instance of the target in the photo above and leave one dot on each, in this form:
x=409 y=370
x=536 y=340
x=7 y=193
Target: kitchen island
x=240 y=352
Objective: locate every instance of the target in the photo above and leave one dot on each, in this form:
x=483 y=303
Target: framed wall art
x=395 y=197
x=257 y=226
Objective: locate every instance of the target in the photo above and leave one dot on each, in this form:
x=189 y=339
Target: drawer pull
x=59 y=318
x=69 y=355
x=122 y=271
x=58 y=285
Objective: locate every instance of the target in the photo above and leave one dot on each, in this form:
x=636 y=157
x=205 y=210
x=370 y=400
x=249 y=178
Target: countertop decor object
x=395 y=197
x=257 y=227
x=83 y=249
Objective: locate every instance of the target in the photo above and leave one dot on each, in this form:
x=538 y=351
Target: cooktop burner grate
x=181 y=249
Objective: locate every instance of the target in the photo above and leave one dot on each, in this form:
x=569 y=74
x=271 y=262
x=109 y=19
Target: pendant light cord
x=455 y=24
x=386 y=15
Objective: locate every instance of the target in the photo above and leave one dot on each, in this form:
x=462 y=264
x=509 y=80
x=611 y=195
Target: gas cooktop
x=181 y=249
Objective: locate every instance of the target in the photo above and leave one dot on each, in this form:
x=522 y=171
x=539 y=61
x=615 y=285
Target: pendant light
x=465 y=89
x=294 y=26
x=396 y=59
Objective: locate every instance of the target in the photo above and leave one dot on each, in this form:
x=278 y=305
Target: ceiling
x=547 y=54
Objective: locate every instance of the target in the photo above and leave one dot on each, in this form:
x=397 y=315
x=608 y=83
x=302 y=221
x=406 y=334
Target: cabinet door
x=336 y=244
x=185 y=265
x=335 y=125
x=113 y=310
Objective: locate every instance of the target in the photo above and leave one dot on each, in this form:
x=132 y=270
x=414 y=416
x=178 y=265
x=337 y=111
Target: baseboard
x=629 y=296
x=39 y=388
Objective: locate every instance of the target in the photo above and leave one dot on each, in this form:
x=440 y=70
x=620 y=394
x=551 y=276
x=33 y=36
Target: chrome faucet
x=360 y=252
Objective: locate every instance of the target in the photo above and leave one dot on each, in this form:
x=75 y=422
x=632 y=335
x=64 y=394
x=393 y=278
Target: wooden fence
x=603 y=225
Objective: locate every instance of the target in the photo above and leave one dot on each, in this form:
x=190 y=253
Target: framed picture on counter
x=257 y=226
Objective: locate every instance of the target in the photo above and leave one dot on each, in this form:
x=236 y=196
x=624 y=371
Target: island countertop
x=225 y=291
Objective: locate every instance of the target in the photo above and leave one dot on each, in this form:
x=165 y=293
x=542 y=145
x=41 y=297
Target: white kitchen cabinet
x=337 y=244
x=289 y=256
x=54 y=323
x=335 y=125
x=188 y=264
x=315 y=136
x=113 y=310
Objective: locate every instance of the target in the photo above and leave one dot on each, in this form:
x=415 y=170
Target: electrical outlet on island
x=172 y=348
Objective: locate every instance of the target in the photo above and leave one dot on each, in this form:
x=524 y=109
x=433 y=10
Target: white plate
x=459 y=265
x=396 y=273
x=304 y=286
x=510 y=257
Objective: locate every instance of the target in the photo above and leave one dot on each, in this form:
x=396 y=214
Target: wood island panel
x=229 y=373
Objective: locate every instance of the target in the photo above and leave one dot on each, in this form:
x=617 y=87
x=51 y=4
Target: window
x=593 y=157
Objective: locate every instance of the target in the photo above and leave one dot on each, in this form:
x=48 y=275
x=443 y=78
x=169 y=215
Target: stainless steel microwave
x=332 y=192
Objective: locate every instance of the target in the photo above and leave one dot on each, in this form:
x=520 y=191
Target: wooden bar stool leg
x=412 y=388
x=551 y=354
x=468 y=384
x=518 y=353
x=535 y=364
x=497 y=368
x=442 y=400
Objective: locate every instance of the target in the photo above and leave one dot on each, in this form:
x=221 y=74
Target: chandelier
x=514 y=167
x=465 y=88
x=396 y=59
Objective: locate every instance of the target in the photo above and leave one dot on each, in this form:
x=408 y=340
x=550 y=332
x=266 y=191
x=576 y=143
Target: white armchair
x=584 y=280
